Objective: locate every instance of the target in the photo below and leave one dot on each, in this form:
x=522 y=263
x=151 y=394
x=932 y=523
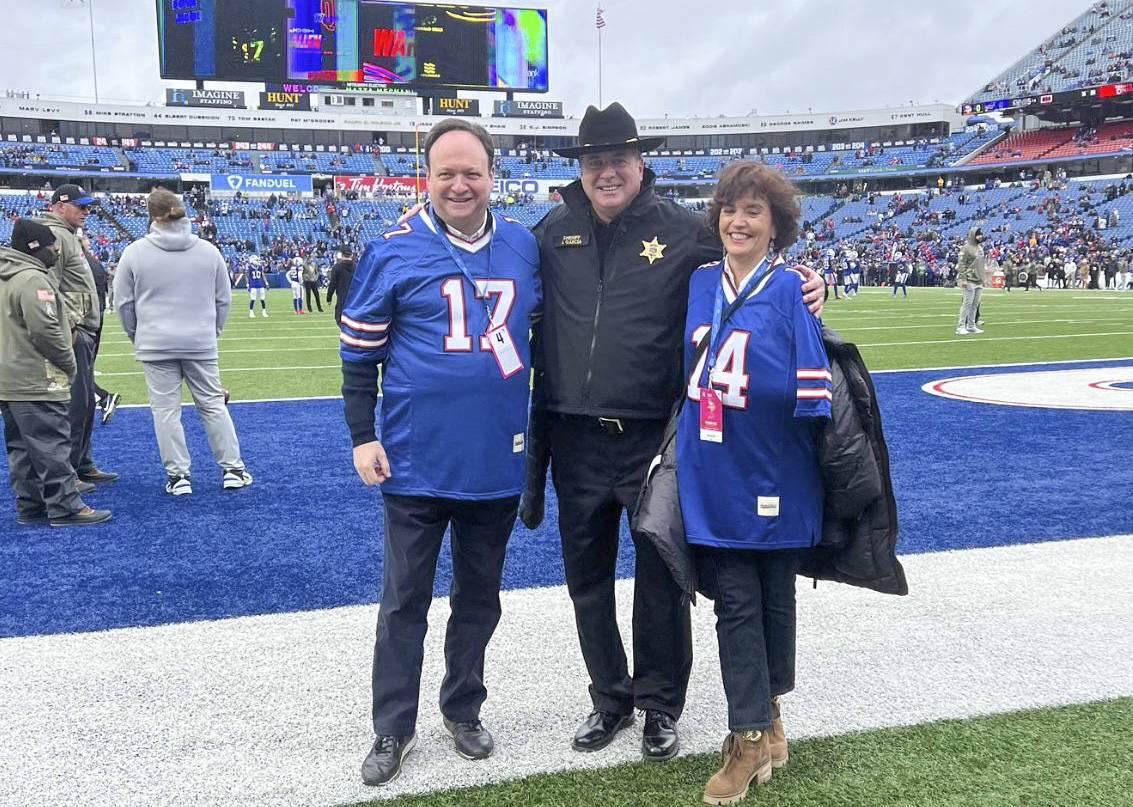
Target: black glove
x=538 y=460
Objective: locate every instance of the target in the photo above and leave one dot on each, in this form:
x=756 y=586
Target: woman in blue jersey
x=747 y=468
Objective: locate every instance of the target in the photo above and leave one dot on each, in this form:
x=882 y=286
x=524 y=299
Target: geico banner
x=535 y=187
x=370 y=184
x=262 y=183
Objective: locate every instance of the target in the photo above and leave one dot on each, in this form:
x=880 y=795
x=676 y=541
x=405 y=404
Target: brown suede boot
x=747 y=759
x=776 y=738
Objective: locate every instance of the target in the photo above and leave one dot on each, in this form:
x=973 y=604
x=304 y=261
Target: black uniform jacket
x=610 y=340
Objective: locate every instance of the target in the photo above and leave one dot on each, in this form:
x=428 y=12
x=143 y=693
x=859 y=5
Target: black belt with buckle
x=612 y=425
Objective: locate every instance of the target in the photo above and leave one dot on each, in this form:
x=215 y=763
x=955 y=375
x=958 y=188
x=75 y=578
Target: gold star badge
x=652 y=250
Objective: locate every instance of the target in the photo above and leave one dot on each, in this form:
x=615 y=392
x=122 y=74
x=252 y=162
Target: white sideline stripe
x=982 y=366
x=245 y=369
x=229 y=350
x=852 y=328
x=998 y=339
x=274 y=710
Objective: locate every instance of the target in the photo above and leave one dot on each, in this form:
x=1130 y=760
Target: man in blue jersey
x=257 y=286
x=443 y=303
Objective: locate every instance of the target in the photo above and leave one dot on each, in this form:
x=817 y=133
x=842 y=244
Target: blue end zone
x=308 y=535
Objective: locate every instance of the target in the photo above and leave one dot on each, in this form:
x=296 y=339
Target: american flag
x=599 y=20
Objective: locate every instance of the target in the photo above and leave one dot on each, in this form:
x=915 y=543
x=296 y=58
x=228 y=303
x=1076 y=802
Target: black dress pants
x=312 y=287
x=597 y=473
x=414 y=529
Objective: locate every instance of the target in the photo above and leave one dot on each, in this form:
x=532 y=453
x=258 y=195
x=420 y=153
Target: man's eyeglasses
x=84 y=208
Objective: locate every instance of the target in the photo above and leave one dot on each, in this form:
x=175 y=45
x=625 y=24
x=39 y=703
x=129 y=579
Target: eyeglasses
x=84 y=208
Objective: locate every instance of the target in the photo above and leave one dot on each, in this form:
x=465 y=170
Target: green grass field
x=287 y=356
x=1075 y=756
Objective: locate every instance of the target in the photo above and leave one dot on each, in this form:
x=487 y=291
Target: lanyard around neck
x=719 y=317
x=442 y=233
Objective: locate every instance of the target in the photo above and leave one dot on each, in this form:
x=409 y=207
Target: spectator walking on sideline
x=69 y=207
x=37 y=364
x=311 y=282
x=970 y=276
x=444 y=303
x=173 y=298
x=338 y=284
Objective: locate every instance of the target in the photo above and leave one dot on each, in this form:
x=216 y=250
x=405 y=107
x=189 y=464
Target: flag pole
x=599 y=69
x=93 y=63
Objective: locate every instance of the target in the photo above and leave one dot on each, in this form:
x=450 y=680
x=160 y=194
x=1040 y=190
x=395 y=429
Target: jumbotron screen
x=353 y=42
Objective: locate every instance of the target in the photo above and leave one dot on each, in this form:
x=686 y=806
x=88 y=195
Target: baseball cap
x=30 y=237
x=71 y=193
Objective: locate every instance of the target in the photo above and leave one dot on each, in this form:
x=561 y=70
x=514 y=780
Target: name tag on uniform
x=767 y=506
x=503 y=348
x=574 y=240
x=711 y=416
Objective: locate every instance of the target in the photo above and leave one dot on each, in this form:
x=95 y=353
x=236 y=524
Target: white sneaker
x=976 y=330
x=252 y=314
x=178 y=485
x=962 y=332
x=264 y=313
x=236 y=478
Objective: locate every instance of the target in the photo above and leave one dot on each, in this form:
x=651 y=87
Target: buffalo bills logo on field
x=1099 y=388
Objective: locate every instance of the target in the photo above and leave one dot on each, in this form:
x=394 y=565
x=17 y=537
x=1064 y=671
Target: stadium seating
x=1095 y=48
x=1063 y=141
x=42 y=157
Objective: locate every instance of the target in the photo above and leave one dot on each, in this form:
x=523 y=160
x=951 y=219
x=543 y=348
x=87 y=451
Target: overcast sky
x=660 y=57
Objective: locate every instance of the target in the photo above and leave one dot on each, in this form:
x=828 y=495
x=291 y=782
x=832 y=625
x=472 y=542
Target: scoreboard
x=354 y=42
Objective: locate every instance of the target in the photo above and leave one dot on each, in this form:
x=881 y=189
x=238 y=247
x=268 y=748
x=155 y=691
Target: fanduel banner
x=231 y=99
x=262 y=183
x=528 y=109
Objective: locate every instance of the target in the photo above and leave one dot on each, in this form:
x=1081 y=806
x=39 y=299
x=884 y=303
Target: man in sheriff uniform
x=444 y=304
x=69 y=207
x=616 y=261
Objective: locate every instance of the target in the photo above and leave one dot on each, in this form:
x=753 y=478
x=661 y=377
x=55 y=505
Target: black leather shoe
x=96 y=476
x=83 y=488
x=383 y=763
x=599 y=730
x=472 y=740
x=84 y=516
x=32 y=517
x=659 y=741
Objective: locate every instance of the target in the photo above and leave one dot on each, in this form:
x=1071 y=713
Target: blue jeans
x=754 y=600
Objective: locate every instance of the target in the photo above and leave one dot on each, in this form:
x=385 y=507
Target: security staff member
x=69 y=207
x=36 y=366
x=615 y=261
x=338 y=283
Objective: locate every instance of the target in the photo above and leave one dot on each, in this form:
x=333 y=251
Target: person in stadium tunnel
x=615 y=260
x=443 y=304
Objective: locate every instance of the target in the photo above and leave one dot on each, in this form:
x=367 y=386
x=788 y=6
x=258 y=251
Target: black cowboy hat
x=608 y=129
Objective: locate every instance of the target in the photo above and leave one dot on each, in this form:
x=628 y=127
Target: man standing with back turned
x=444 y=304
x=616 y=261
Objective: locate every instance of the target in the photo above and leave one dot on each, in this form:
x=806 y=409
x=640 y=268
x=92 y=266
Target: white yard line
x=274 y=710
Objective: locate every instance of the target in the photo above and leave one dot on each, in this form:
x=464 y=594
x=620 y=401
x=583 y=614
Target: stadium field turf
x=214 y=650
x=289 y=356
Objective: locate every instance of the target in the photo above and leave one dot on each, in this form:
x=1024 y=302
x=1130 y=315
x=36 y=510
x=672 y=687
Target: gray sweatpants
x=202 y=377
x=969 y=307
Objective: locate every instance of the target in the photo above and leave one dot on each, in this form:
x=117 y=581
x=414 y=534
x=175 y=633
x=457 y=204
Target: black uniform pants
x=38 y=440
x=597 y=473
x=312 y=286
x=414 y=528
x=81 y=413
